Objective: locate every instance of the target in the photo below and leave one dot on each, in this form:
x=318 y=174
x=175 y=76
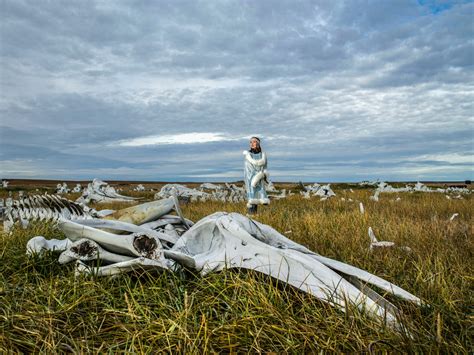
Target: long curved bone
x=86 y=250
x=121 y=267
x=272 y=237
x=127 y=227
x=138 y=244
x=234 y=241
x=174 y=196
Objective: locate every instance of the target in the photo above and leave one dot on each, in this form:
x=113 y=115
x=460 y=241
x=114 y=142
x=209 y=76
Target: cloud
x=337 y=90
x=185 y=138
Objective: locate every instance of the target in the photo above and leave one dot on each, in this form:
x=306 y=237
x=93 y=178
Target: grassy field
x=44 y=308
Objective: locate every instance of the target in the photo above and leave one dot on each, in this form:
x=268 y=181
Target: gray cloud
x=338 y=90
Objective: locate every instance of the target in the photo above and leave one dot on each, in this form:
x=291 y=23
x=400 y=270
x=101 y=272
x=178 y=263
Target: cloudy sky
x=172 y=90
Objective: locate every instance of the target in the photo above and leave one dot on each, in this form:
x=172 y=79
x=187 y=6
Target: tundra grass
x=45 y=308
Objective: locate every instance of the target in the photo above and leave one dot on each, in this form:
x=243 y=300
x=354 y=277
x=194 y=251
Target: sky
x=173 y=90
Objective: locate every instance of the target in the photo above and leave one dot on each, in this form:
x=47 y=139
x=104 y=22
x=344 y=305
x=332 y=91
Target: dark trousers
x=252 y=209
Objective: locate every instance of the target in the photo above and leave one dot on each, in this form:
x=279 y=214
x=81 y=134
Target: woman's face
x=254 y=143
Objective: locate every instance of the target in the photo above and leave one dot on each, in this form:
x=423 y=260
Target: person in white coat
x=255 y=175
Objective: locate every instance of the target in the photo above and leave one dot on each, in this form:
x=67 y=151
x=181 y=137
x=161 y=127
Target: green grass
x=44 y=308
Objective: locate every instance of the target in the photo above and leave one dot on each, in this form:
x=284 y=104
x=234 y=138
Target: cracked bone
x=87 y=250
x=136 y=244
x=233 y=241
x=124 y=266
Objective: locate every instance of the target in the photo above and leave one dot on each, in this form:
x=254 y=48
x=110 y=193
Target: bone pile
x=77 y=188
x=5 y=183
x=140 y=187
x=383 y=187
x=322 y=191
x=148 y=237
x=100 y=191
x=206 y=192
x=62 y=188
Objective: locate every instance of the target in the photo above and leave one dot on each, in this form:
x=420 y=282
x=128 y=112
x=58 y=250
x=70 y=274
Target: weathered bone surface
x=62 y=188
x=119 y=226
x=100 y=191
x=374 y=243
x=124 y=266
x=5 y=183
x=144 y=212
x=234 y=241
x=323 y=191
x=181 y=191
x=383 y=187
x=206 y=192
x=77 y=188
x=39 y=244
x=137 y=244
x=87 y=250
x=139 y=187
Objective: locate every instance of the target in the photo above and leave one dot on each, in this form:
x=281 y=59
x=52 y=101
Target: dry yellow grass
x=44 y=308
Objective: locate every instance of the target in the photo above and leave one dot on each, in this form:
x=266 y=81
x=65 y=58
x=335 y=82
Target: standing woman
x=255 y=175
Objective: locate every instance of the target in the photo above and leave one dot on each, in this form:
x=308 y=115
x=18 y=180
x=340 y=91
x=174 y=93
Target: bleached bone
x=280 y=196
x=305 y=194
x=39 y=244
x=234 y=241
x=361 y=208
x=453 y=217
x=86 y=250
x=126 y=227
x=274 y=238
x=100 y=191
x=374 y=243
x=181 y=191
x=177 y=208
x=383 y=244
x=144 y=212
x=138 y=244
x=104 y=213
x=122 y=267
x=164 y=220
x=375 y=197
x=140 y=187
